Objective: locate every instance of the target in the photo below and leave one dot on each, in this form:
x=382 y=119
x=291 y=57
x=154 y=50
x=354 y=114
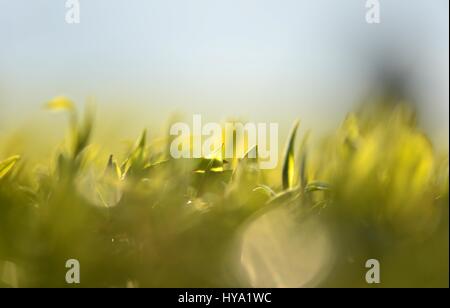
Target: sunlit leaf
x=137 y=160
x=289 y=159
x=7 y=165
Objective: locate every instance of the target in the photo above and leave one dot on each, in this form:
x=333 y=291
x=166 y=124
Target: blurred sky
x=268 y=60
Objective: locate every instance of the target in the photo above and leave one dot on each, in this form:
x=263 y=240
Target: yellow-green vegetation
x=144 y=219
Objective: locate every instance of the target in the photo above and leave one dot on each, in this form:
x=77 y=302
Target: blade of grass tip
x=124 y=167
x=252 y=154
x=303 y=159
x=288 y=175
x=109 y=165
x=139 y=149
x=7 y=165
x=143 y=140
x=83 y=133
x=113 y=167
x=216 y=154
x=136 y=161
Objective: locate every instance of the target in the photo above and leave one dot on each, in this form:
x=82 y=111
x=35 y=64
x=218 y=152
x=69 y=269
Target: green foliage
x=289 y=163
x=7 y=165
x=152 y=221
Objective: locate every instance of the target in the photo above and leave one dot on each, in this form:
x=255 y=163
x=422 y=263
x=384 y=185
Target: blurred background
x=143 y=221
x=260 y=60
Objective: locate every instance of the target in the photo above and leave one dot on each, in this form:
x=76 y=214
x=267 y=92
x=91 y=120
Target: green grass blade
x=7 y=165
x=288 y=175
x=266 y=190
x=317 y=186
x=303 y=160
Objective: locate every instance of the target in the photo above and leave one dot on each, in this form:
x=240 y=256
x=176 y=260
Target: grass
x=144 y=219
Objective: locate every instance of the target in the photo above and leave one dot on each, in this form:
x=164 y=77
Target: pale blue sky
x=272 y=60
